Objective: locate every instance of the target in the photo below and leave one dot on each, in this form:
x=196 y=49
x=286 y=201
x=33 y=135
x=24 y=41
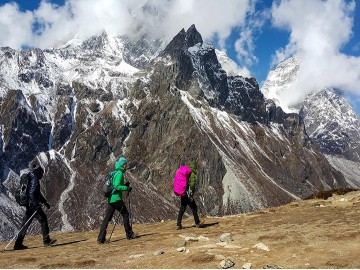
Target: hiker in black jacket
x=35 y=201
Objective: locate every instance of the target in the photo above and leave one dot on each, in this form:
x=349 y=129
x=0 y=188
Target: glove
x=127 y=184
x=129 y=189
x=47 y=205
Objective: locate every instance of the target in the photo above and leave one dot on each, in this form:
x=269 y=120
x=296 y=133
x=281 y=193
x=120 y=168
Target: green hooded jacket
x=192 y=178
x=118 y=183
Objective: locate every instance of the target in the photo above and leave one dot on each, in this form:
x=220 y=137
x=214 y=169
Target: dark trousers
x=41 y=217
x=185 y=201
x=110 y=210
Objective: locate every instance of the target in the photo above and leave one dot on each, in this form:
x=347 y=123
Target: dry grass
x=329 y=193
x=314 y=233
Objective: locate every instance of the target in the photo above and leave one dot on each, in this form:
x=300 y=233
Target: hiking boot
x=132 y=236
x=200 y=224
x=49 y=242
x=100 y=242
x=179 y=227
x=20 y=247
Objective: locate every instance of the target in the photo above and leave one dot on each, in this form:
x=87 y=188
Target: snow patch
x=64 y=199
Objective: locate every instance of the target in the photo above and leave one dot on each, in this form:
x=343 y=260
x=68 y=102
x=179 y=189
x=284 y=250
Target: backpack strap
x=112 y=180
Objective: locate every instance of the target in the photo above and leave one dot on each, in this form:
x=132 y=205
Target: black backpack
x=21 y=194
x=108 y=187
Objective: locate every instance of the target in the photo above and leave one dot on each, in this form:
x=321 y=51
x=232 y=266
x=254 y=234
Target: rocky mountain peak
x=332 y=123
x=183 y=41
x=193 y=37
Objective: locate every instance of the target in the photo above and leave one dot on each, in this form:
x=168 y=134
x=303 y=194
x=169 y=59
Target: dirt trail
x=304 y=234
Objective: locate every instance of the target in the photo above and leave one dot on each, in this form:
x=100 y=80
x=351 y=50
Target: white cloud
x=83 y=18
x=318 y=30
x=15 y=26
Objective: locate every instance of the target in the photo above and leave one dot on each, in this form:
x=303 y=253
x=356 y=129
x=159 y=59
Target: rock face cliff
x=78 y=108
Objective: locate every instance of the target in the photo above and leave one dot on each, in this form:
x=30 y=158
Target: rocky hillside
x=316 y=233
x=76 y=109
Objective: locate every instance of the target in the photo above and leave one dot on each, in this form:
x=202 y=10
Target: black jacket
x=35 y=196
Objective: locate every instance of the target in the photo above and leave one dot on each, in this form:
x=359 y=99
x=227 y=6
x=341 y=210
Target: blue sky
x=256 y=34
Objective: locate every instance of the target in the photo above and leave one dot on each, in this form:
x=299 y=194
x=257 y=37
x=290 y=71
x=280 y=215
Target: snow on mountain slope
x=279 y=80
x=332 y=123
x=228 y=64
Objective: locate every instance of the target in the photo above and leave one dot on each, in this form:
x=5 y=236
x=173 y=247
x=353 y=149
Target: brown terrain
x=315 y=233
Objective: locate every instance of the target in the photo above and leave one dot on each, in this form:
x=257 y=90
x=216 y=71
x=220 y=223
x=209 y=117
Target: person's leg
x=42 y=218
x=120 y=206
x=108 y=216
x=194 y=210
x=21 y=235
x=184 y=202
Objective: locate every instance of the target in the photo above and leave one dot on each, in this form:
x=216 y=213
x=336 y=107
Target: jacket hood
x=119 y=166
x=122 y=161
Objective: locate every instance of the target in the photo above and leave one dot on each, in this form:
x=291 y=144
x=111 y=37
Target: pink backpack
x=181 y=180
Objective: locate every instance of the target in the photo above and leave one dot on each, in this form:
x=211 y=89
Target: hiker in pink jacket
x=184 y=186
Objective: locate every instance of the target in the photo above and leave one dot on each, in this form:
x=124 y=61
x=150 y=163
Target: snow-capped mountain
x=330 y=121
x=279 y=80
x=76 y=109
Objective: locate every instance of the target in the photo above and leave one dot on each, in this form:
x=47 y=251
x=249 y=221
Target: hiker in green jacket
x=188 y=199
x=116 y=203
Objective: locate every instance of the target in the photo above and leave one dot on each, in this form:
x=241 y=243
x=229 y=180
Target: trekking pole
x=112 y=231
x=20 y=230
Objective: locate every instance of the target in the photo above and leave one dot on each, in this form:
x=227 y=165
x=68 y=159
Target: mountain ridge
x=181 y=107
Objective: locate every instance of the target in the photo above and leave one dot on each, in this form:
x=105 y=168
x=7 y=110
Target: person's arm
x=33 y=198
x=118 y=184
x=44 y=201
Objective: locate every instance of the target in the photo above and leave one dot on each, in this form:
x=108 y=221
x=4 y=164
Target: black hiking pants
x=185 y=201
x=110 y=210
x=41 y=217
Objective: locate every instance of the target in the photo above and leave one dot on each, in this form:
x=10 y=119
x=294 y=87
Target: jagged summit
x=183 y=41
x=193 y=37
